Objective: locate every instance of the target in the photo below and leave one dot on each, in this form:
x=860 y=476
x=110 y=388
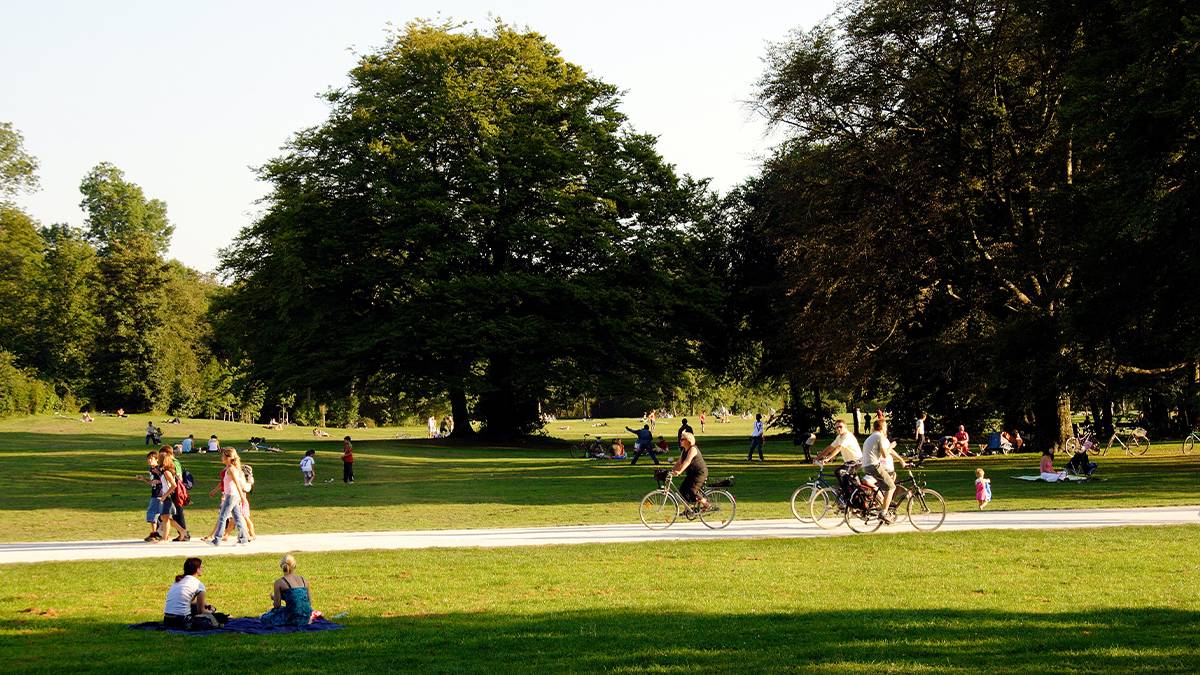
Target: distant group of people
x=187 y=605
x=441 y=429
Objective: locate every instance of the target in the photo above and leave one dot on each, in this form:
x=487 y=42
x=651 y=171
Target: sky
x=187 y=98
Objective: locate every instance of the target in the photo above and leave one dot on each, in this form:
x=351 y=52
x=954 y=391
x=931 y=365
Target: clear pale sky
x=187 y=97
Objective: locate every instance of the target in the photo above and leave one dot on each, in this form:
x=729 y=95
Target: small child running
x=983 y=489
x=306 y=467
x=347 y=461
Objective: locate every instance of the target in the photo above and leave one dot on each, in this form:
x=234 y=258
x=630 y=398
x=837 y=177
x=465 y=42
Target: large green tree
x=937 y=205
x=475 y=217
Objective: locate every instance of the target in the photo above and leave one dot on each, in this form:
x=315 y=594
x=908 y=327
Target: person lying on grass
x=292 y=597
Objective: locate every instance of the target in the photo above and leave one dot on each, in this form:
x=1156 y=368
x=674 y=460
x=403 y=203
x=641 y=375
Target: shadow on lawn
x=902 y=640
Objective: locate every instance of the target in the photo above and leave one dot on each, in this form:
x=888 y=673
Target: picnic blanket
x=249 y=625
x=1052 y=481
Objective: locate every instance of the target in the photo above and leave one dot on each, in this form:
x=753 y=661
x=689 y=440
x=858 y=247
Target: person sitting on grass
x=87 y=417
x=292 y=597
x=187 y=605
x=1047 y=468
x=618 y=449
x=962 y=442
x=693 y=469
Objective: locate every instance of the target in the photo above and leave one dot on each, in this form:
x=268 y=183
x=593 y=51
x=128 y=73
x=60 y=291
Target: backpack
x=181 y=496
x=189 y=481
x=248 y=472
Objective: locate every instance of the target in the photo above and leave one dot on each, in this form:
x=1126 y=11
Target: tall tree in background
x=129 y=233
x=930 y=203
x=66 y=321
x=474 y=218
x=18 y=168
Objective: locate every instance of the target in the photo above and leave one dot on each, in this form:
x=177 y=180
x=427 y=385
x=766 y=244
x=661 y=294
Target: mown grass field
x=967 y=602
x=64 y=480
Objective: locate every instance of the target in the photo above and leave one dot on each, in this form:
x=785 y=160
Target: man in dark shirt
x=684 y=428
x=644 y=444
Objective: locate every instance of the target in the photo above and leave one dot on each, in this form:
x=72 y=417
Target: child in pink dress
x=983 y=489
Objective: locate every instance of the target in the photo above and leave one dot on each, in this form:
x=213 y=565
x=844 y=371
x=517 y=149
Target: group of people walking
x=170 y=496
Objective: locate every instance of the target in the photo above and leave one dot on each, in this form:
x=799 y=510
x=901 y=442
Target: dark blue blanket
x=247 y=624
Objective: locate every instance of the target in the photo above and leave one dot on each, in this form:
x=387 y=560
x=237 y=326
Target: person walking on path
x=347 y=461
x=233 y=493
x=756 y=439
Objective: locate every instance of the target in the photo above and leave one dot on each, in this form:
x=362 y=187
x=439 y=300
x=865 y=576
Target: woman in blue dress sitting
x=292 y=591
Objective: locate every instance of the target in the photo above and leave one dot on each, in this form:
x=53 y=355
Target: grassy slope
x=941 y=603
x=66 y=480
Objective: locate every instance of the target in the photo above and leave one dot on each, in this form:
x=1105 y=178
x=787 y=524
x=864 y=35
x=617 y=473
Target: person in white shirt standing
x=878 y=456
x=919 y=433
x=756 y=439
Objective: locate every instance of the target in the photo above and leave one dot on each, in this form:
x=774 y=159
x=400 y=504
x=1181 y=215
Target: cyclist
x=693 y=469
x=846 y=443
x=878 y=456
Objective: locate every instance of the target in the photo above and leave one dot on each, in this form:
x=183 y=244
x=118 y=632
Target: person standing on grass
x=919 y=433
x=684 y=427
x=233 y=494
x=701 y=422
x=432 y=424
x=347 y=461
x=308 y=467
x=154 y=480
x=756 y=439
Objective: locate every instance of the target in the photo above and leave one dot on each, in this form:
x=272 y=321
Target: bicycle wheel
x=1071 y=446
x=1189 y=443
x=859 y=519
x=1138 y=445
x=825 y=509
x=927 y=510
x=659 y=509
x=721 y=509
x=800 y=499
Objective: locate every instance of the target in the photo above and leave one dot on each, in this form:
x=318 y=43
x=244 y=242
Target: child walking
x=347 y=461
x=306 y=467
x=983 y=489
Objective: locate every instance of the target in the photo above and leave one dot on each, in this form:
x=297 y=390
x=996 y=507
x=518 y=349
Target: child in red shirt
x=347 y=461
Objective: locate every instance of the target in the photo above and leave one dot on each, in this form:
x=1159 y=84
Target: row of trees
x=982 y=208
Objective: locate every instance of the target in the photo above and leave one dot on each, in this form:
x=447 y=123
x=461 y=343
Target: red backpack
x=181 y=493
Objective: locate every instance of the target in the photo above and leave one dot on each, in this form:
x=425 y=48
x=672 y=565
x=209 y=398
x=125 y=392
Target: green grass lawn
x=67 y=480
x=966 y=602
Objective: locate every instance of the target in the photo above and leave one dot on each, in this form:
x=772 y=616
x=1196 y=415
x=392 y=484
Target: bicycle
x=587 y=449
x=1189 y=443
x=827 y=505
x=660 y=508
x=926 y=509
x=1139 y=443
x=803 y=495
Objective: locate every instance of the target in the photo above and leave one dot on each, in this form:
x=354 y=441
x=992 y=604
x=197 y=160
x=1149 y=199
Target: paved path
x=581 y=534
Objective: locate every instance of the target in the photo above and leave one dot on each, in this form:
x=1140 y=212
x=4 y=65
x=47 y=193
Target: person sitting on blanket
x=187 y=607
x=292 y=590
x=1048 y=473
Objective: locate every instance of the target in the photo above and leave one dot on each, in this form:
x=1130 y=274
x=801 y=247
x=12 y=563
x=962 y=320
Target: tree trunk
x=1106 y=412
x=819 y=409
x=1054 y=420
x=458 y=410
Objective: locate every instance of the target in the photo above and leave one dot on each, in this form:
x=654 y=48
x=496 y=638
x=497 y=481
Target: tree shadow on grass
x=1157 y=640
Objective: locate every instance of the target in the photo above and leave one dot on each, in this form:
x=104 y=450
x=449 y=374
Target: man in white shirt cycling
x=878 y=456
x=844 y=442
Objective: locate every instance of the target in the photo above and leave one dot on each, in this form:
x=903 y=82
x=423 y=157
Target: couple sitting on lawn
x=187 y=605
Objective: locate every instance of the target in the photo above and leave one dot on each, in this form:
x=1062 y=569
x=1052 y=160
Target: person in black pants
x=684 y=428
x=692 y=467
x=756 y=439
x=347 y=461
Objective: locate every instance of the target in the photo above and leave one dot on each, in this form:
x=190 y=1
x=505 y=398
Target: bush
x=21 y=393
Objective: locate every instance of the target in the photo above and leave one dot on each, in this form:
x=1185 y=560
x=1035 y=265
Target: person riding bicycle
x=693 y=469
x=846 y=443
x=878 y=454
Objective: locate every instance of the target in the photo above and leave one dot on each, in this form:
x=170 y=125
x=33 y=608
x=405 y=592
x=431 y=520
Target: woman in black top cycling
x=693 y=469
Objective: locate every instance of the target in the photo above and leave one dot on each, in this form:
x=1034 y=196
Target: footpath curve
x=45 y=551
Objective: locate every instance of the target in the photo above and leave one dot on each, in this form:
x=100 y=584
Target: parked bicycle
x=925 y=508
x=1137 y=443
x=660 y=508
x=1189 y=443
